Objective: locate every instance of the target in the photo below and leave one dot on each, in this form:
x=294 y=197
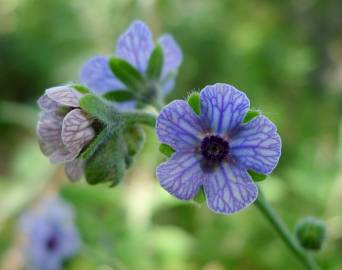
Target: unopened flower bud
x=310 y=233
x=64 y=129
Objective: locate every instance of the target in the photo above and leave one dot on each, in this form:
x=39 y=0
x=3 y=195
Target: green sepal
x=134 y=137
x=81 y=88
x=257 y=177
x=119 y=95
x=155 y=63
x=194 y=102
x=200 y=196
x=166 y=149
x=102 y=137
x=100 y=109
x=250 y=115
x=126 y=73
x=108 y=163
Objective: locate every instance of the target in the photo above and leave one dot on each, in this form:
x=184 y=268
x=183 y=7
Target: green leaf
x=81 y=88
x=155 y=63
x=250 y=115
x=257 y=177
x=194 y=102
x=126 y=73
x=200 y=196
x=119 y=95
x=107 y=164
x=101 y=110
x=166 y=150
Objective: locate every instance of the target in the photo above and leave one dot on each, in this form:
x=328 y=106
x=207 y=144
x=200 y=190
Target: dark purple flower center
x=51 y=243
x=214 y=149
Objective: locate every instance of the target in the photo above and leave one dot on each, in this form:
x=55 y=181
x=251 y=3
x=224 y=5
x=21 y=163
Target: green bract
x=126 y=73
x=155 y=64
x=119 y=139
x=108 y=162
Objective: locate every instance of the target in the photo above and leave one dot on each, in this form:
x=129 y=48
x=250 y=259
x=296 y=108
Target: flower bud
x=64 y=129
x=310 y=233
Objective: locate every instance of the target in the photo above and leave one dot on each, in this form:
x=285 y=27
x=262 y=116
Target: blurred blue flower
x=135 y=46
x=50 y=234
x=215 y=149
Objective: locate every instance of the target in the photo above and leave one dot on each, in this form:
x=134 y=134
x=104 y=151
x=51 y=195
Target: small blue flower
x=50 y=235
x=215 y=149
x=135 y=46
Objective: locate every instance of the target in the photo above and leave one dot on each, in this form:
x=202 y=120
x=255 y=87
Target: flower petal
x=223 y=107
x=168 y=86
x=179 y=127
x=74 y=169
x=77 y=131
x=229 y=189
x=257 y=145
x=136 y=45
x=62 y=155
x=64 y=95
x=97 y=75
x=181 y=175
x=49 y=130
x=47 y=104
x=172 y=57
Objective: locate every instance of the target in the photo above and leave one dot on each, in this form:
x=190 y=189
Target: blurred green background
x=287 y=57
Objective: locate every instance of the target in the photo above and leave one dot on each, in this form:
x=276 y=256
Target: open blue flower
x=135 y=46
x=216 y=149
x=50 y=235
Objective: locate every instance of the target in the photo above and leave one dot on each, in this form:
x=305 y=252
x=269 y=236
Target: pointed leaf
x=126 y=73
x=81 y=88
x=194 y=102
x=165 y=149
x=200 y=196
x=250 y=115
x=257 y=177
x=119 y=95
x=155 y=63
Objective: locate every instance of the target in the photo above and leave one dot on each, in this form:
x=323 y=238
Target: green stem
x=285 y=233
x=138 y=117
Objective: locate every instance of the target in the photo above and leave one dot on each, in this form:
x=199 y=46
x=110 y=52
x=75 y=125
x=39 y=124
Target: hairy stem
x=285 y=234
x=137 y=117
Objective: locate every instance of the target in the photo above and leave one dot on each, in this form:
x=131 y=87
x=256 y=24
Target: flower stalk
x=285 y=234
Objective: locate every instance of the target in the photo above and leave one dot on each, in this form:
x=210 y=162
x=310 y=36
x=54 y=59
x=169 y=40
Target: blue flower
x=135 y=46
x=215 y=149
x=50 y=235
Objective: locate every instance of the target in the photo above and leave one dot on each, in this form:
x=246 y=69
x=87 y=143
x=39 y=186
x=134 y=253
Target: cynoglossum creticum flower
x=64 y=129
x=215 y=149
x=50 y=236
x=135 y=46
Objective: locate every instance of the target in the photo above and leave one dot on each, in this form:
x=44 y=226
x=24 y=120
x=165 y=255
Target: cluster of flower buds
x=64 y=129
